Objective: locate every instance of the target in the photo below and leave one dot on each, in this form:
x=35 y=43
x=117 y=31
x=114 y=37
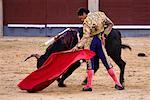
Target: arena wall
x=48 y=17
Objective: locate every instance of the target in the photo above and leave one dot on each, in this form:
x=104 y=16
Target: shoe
x=87 y=89
x=119 y=87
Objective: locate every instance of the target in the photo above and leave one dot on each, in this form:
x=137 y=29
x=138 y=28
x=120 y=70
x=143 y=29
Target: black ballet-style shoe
x=87 y=89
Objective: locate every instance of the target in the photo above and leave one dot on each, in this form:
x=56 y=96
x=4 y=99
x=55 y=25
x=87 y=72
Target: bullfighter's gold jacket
x=94 y=24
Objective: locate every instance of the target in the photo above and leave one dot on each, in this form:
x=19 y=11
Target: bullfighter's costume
x=94 y=26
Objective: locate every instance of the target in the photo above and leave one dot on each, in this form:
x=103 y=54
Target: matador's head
x=82 y=13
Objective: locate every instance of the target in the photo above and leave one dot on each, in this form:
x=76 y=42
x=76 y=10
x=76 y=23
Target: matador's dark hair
x=82 y=10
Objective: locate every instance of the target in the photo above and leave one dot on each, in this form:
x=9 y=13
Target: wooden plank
x=127 y=12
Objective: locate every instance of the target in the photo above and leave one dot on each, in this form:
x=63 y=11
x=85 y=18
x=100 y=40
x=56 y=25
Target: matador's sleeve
x=109 y=24
x=86 y=36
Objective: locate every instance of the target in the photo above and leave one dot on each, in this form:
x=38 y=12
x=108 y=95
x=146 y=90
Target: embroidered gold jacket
x=94 y=24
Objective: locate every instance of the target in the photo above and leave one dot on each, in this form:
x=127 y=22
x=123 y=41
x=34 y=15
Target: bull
x=113 y=46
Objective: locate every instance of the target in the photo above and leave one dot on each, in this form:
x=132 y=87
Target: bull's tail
x=33 y=55
x=124 y=46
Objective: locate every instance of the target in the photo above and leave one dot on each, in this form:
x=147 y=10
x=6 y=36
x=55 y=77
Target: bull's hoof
x=123 y=84
x=84 y=82
x=61 y=85
x=119 y=87
x=58 y=80
x=87 y=89
x=30 y=91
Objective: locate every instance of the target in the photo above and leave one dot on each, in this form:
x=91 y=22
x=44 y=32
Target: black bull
x=113 y=47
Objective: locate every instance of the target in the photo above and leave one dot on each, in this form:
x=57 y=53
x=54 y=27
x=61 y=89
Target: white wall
x=1 y=18
x=93 y=5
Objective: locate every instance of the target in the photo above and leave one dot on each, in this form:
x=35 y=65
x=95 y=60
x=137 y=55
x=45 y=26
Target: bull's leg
x=41 y=61
x=113 y=48
x=122 y=72
x=117 y=59
x=67 y=74
x=96 y=63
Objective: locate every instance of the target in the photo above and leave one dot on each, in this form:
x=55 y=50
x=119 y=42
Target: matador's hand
x=74 y=49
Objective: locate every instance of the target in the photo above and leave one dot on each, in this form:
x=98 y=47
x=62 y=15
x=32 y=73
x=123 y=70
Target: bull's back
x=113 y=42
x=66 y=42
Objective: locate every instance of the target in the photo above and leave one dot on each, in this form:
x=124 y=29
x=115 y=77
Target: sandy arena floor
x=13 y=51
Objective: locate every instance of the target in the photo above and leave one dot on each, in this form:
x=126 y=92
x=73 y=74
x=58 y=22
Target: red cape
x=54 y=66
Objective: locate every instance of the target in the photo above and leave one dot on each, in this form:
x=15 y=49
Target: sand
x=13 y=51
